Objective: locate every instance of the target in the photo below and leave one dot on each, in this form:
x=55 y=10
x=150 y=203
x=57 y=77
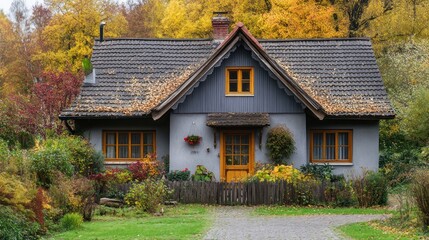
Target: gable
x=269 y=96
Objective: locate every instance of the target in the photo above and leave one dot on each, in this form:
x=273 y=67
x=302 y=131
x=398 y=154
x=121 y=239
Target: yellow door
x=237 y=155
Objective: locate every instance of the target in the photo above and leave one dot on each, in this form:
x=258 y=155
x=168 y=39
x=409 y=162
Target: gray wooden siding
x=209 y=96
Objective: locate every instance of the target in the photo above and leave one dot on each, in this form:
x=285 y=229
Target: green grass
x=365 y=231
x=295 y=211
x=180 y=222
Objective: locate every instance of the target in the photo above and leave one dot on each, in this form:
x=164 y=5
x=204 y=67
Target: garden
x=59 y=189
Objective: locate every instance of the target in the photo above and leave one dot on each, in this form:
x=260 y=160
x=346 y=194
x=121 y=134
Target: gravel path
x=237 y=223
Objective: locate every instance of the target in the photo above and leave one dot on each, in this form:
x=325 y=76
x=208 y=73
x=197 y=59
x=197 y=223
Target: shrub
x=179 y=175
x=46 y=162
x=279 y=173
x=14 y=192
x=149 y=167
x=110 y=183
x=202 y=174
x=370 y=189
x=280 y=144
x=15 y=225
x=71 y=221
x=147 y=195
x=321 y=172
x=75 y=194
x=81 y=155
x=420 y=189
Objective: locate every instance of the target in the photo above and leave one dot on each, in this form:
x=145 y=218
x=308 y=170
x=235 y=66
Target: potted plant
x=192 y=139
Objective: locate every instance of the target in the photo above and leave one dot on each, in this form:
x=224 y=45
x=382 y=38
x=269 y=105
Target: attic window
x=239 y=81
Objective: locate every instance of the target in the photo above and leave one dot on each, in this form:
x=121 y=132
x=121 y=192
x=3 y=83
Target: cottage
x=147 y=95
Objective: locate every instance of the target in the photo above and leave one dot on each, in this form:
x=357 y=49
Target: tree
x=303 y=19
x=71 y=31
x=143 y=17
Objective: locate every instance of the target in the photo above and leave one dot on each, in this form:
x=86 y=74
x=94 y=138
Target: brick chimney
x=220 y=25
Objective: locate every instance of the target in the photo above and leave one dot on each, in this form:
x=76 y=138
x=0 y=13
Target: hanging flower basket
x=192 y=139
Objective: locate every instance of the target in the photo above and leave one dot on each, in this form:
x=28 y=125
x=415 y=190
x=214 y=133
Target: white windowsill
x=333 y=164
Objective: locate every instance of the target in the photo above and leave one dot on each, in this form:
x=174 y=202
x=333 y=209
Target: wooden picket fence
x=250 y=193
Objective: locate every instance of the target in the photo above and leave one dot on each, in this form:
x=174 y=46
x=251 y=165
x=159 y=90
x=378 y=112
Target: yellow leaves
x=71 y=32
x=303 y=19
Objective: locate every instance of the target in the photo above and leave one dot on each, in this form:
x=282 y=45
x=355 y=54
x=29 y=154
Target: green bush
x=14 y=225
x=147 y=195
x=321 y=172
x=202 y=174
x=280 y=144
x=370 y=189
x=46 y=162
x=71 y=221
x=420 y=190
x=179 y=175
x=82 y=156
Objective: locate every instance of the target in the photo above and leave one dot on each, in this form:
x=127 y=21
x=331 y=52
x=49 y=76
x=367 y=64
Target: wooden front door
x=236 y=155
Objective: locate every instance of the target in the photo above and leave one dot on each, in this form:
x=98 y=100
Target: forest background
x=42 y=48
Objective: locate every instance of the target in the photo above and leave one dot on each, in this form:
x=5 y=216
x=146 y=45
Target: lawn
x=295 y=211
x=365 y=231
x=180 y=222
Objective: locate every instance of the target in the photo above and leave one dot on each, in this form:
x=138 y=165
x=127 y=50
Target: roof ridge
x=314 y=39
x=154 y=39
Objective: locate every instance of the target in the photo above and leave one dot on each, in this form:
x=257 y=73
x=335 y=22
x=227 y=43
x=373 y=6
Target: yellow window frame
x=239 y=91
x=336 y=146
x=142 y=144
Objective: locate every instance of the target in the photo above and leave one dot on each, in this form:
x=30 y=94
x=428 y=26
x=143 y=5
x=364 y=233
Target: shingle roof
x=136 y=75
x=340 y=74
x=238 y=119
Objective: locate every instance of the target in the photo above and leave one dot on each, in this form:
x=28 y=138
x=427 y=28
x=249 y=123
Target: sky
x=5 y=4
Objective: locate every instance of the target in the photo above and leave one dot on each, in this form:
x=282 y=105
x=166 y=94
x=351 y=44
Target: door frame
x=222 y=150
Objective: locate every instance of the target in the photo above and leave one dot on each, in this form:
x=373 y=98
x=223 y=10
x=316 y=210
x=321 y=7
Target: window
x=331 y=146
x=239 y=81
x=124 y=145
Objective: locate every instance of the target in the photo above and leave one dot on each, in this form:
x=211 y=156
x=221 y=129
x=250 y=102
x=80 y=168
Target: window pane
x=148 y=138
x=317 y=138
x=111 y=152
x=123 y=138
x=147 y=149
x=228 y=139
x=111 y=138
x=245 y=149
x=343 y=153
x=245 y=74
x=228 y=149
x=233 y=74
x=236 y=160
x=317 y=152
x=233 y=86
x=330 y=139
x=228 y=160
x=343 y=138
x=135 y=138
x=135 y=152
x=123 y=151
x=236 y=149
x=245 y=139
x=237 y=139
x=244 y=160
x=245 y=86
x=330 y=152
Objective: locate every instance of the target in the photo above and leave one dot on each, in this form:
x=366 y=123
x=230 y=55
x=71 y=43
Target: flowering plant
x=192 y=139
